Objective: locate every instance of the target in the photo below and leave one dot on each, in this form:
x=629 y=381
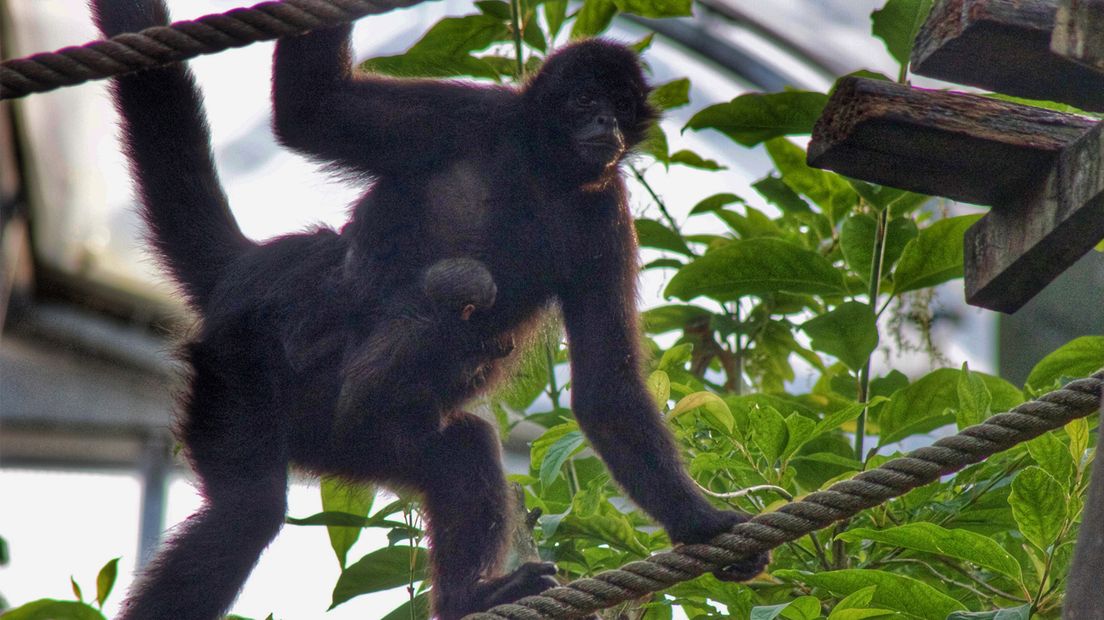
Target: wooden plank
x=1004 y=46
x=965 y=147
x=1079 y=32
x=1015 y=251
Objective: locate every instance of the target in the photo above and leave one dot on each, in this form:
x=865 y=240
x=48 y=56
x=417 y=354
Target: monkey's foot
x=529 y=579
x=719 y=523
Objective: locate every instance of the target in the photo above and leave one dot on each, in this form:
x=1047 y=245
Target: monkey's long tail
x=168 y=144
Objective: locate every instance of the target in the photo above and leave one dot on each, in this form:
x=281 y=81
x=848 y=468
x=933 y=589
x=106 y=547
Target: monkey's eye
x=584 y=100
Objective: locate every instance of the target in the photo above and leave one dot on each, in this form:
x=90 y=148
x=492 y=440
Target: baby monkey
x=438 y=310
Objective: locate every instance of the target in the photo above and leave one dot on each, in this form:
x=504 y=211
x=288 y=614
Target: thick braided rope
x=162 y=45
x=817 y=510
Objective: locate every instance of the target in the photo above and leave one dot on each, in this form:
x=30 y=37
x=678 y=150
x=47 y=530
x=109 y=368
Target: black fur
x=523 y=184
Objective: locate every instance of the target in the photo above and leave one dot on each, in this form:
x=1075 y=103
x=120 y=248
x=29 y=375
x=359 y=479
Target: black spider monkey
x=517 y=191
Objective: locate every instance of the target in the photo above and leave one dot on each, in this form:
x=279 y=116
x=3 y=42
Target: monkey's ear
x=114 y=17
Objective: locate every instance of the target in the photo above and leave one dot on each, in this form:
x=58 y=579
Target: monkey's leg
x=234 y=436
x=468 y=511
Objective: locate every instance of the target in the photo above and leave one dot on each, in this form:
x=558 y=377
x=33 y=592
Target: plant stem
x=515 y=21
x=864 y=374
x=659 y=201
x=553 y=389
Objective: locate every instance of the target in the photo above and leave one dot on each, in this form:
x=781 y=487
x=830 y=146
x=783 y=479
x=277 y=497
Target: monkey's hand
x=529 y=579
x=705 y=527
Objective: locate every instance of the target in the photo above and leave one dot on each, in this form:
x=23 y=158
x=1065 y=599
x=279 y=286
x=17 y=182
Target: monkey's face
x=596 y=126
x=591 y=106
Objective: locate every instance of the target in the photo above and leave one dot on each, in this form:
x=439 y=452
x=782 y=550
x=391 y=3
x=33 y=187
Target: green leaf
x=76 y=588
x=830 y=191
x=557 y=455
x=715 y=202
x=1023 y=612
x=50 y=609
x=418 y=609
x=756 y=267
x=799 y=430
x=693 y=160
x=105 y=581
x=609 y=527
x=856 y=600
x=1078 y=431
x=593 y=18
x=854 y=606
x=953 y=543
x=882 y=197
x=655 y=144
x=929 y=402
x=655 y=8
x=841 y=416
x=1053 y=456
x=1077 y=358
x=974 y=399
x=341 y=496
x=849 y=332
x=676 y=356
x=555 y=12
x=382 y=569
x=753 y=118
x=494 y=8
x=885 y=386
x=715 y=409
x=533 y=36
x=671 y=317
x=769 y=431
x=934 y=256
x=1039 y=506
x=673 y=94
x=910 y=597
x=897 y=24
x=780 y=195
x=801 y=608
x=652 y=234
x=436 y=65
x=857 y=242
x=659 y=386
x=858 y=613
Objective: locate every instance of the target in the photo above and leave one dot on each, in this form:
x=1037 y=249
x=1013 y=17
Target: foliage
x=802 y=280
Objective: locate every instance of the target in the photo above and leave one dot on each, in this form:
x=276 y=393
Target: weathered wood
x=1004 y=46
x=1083 y=594
x=1079 y=32
x=965 y=147
x=1015 y=251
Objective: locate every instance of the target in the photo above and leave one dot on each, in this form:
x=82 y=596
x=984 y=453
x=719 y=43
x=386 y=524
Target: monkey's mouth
x=602 y=150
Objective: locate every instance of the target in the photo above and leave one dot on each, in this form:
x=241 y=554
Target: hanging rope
x=817 y=510
x=162 y=45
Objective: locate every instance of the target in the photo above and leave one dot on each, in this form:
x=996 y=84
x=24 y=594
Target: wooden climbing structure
x=1040 y=171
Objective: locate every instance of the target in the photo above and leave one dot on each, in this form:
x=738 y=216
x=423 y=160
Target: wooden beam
x=1015 y=251
x=966 y=147
x=1079 y=32
x=1004 y=46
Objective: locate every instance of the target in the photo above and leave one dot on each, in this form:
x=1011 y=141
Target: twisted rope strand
x=815 y=511
x=162 y=45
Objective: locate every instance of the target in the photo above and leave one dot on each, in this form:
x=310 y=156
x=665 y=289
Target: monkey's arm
x=615 y=410
x=369 y=123
x=617 y=413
